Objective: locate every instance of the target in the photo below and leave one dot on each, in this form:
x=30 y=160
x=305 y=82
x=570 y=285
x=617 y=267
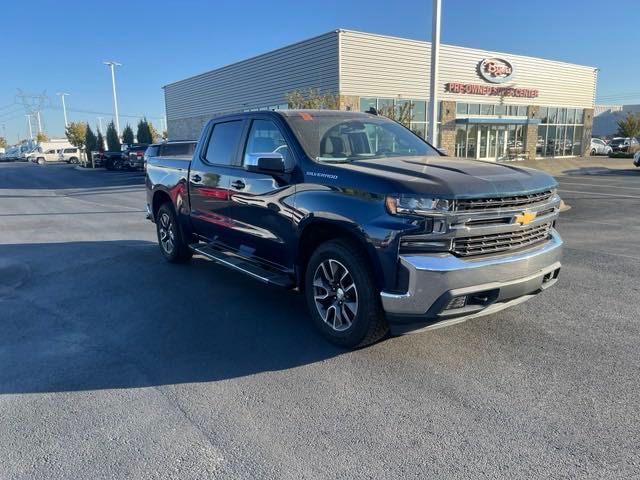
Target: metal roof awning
x=498 y=121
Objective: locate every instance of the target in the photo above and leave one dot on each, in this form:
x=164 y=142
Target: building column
x=531 y=133
x=587 y=121
x=447 y=130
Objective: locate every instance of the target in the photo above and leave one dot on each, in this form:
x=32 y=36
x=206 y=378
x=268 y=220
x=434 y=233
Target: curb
x=82 y=169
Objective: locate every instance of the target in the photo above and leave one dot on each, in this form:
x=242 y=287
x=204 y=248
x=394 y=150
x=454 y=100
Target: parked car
x=49 y=155
x=134 y=155
x=181 y=149
x=622 y=144
x=113 y=160
x=636 y=159
x=70 y=155
x=599 y=147
x=377 y=229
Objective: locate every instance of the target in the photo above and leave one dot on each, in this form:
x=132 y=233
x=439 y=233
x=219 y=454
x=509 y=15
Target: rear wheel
x=73 y=160
x=593 y=152
x=170 y=237
x=342 y=297
x=40 y=161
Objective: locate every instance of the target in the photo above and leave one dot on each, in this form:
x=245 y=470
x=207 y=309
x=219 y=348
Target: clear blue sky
x=60 y=46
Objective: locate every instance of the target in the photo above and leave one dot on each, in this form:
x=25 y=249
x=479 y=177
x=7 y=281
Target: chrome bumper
x=436 y=279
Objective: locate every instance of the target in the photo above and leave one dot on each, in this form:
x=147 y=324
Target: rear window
x=178 y=149
x=152 y=151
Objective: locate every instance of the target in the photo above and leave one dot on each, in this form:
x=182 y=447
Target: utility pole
x=64 y=108
x=112 y=66
x=434 y=84
x=30 y=129
x=100 y=123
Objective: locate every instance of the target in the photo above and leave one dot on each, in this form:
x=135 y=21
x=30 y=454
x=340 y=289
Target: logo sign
x=525 y=218
x=495 y=70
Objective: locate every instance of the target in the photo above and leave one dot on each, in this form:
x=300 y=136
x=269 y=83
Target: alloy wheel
x=167 y=234
x=335 y=295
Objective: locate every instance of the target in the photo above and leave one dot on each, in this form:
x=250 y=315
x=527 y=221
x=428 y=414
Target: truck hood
x=447 y=177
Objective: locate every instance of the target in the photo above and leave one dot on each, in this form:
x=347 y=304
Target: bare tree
x=313 y=98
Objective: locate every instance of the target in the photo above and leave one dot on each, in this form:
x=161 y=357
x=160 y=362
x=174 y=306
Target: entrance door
x=492 y=141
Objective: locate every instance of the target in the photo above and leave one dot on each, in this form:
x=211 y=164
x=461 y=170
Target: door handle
x=196 y=178
x=238 y=184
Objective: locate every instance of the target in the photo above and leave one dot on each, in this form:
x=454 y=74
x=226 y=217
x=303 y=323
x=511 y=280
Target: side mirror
x=271 y=162
x=443 y=152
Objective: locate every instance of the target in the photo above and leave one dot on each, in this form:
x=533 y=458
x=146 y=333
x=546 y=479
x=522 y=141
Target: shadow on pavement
x=602 y=171
x=103 y=315
x=29 y=176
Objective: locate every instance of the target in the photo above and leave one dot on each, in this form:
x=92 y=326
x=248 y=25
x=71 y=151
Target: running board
x=241 y=265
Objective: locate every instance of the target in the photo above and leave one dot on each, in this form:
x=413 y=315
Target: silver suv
x=70 y=155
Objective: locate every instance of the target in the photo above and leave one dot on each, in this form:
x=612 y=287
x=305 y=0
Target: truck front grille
x=475 y=204
x=501 y=242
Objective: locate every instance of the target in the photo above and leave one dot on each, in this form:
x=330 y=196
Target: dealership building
x=492 y=105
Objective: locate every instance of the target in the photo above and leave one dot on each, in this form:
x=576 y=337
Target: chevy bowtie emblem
x=525 y=218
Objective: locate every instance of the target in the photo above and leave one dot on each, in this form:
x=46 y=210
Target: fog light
x=456 y=302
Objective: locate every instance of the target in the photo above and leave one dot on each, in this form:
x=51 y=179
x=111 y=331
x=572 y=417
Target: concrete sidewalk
x=579 y=165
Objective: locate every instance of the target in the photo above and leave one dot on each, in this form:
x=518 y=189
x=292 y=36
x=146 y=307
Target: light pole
x=112 y=65
x=433 y=84
x=100 y=123
x=64 y=108
x=39 y=121
x=30 y=129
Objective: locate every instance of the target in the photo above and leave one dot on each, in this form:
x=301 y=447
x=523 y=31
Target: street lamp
x=112 y=65
x=64 y=108
x=30 y=129
x=433 y=85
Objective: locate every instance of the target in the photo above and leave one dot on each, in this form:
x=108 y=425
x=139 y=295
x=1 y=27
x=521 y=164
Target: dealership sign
x=495 y=70
x=492 y=90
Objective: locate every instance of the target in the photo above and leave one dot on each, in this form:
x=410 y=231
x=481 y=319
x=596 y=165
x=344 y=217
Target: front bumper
x=488 y=285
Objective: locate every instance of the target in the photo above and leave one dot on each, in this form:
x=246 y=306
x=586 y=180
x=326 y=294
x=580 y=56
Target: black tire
x=368 y=323
x=593 y=152
x=40 y=161
x=73 y=160
x=169 y=233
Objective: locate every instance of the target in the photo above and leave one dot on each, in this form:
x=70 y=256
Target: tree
x=90 y=141
x=146 y=133
x=3 y=142
x=41 y=137
x=113 y=142
x=75 y=133
x=313 y=98
x=100 y=142
x=127 y=134
x=629 y=126
x=400 y=112
x=153 y=132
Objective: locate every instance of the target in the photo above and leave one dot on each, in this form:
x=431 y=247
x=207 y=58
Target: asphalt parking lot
x=115 y=364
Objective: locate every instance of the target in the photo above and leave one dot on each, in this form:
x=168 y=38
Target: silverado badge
x=525 y=218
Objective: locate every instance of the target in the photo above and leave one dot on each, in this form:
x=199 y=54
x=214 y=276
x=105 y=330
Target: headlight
x=416 y=205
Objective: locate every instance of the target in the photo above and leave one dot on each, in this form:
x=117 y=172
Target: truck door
x=212 y=168
x=262 y=221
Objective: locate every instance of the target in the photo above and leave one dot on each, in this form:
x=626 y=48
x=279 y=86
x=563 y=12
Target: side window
x=223 y=142
x=265 y=137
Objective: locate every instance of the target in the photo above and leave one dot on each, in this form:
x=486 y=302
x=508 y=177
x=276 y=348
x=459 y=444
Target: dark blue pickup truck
x=378 y=230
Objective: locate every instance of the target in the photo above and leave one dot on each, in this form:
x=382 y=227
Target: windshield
x=346 y=138
x=618 y=141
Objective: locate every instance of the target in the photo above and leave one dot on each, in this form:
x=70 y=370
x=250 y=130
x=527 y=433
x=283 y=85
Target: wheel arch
x=320 y=231
x=160 y=197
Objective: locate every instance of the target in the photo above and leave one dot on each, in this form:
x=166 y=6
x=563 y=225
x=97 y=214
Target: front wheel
x=342 y=296
x=593 y=152
x=40 y=161
x=170 y=237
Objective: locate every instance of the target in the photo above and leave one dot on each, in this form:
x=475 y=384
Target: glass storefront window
x=500 y=110
x=472 y=140
x=419 y=129
x=579 y=113
x=542 y=115
x=522 y=110
x=577 y=141
x=513 y=110
x=474 y=109
x=461 y=108
x=486 y=109
x=553 y=115
x=542 y=140
x=367 y=103
x=568 y=146
x=461 y=141
x=571 y=113
x=419 y=111
x=562 y=115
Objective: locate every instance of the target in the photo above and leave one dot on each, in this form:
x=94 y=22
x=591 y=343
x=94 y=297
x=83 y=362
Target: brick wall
x=447 y=130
